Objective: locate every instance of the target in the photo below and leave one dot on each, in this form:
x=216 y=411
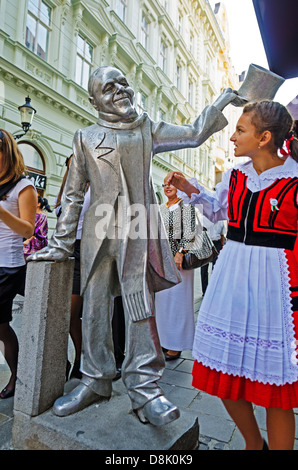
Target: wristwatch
x=182 y=250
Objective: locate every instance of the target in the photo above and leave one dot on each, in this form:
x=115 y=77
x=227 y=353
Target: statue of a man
x=114 y=156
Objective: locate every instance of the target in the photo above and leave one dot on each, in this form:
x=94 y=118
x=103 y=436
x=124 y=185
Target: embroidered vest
x=265 y=218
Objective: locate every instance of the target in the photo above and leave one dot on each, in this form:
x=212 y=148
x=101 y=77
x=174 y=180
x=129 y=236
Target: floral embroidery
x=236 y=338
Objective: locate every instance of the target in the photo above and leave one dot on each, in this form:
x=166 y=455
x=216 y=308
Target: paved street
x=217 y=430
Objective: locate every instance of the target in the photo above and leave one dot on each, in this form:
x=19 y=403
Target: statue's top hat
x=259 y=84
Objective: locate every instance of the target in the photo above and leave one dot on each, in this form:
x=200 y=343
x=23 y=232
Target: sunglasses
x=167 y=184
x=1 y=136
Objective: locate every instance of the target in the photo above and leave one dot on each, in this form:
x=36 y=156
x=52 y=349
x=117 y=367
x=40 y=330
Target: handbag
x=202 y=251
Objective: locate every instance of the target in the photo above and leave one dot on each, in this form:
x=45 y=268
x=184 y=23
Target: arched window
x=34 y=164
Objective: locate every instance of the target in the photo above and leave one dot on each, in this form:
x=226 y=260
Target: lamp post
x=27 y=113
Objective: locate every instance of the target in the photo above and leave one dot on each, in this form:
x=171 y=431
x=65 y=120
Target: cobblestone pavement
x=217 y=430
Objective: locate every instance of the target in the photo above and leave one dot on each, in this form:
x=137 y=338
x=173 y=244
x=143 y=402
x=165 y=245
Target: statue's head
x=111 y=95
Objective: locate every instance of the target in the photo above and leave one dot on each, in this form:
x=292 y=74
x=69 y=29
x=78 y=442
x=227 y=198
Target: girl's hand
x=178 y=180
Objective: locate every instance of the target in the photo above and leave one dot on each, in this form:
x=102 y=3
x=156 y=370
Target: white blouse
x=216 y=204
x=11 y=244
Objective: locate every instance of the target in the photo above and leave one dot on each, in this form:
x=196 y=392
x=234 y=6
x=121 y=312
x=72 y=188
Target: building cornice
x=39 y=78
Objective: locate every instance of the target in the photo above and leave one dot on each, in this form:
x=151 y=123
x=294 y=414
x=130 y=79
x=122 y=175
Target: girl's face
x=245 y=138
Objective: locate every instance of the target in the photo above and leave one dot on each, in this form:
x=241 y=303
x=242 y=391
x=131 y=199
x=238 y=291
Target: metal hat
x=259 y=84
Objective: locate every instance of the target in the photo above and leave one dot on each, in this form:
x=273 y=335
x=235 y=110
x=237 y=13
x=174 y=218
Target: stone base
x=106 y=425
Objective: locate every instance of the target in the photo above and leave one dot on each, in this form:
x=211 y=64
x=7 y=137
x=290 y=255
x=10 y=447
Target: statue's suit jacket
x=116 y=158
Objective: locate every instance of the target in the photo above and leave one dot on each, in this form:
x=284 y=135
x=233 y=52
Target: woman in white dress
x=245 y=345
x=175 y=306
x=18 y=203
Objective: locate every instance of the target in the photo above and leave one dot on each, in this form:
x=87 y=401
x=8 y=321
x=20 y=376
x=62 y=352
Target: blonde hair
x=13 y=165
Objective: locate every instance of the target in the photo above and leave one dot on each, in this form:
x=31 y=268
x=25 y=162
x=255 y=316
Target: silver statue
x=115 y=156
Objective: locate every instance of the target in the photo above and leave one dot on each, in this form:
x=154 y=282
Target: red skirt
x=232 y=387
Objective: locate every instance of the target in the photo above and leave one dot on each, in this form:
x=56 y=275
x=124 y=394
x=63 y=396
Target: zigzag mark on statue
x=108 y=150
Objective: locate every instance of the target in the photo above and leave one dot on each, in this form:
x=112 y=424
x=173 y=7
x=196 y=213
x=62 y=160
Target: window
x=38 y=27
x=32 y=157
x=178 y=76
x=191 y=43
x=163 y=56
x=160 y=115
x=141 y=102
x=188 y=157
x=191 y=93
x=180 y=23
x=120 y=8
x=144 y=31
x=84 y=61
x=34 y=165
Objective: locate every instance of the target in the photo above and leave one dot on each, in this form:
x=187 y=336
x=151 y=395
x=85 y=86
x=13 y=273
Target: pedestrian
x=174 y=308
x=18 y=202
x=40 y=238
x=217 y=233
x=245 y=345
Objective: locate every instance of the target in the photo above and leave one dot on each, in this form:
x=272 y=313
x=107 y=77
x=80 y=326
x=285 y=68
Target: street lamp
x=27 y=113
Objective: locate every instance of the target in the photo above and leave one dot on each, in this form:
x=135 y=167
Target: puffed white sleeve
x=214 y=205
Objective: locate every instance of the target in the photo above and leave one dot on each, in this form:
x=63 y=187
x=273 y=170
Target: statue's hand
x=239 y=100
x=229 y=96
x=48 y=254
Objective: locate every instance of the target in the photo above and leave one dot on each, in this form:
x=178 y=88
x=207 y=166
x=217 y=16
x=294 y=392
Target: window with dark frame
x=84 y=61
x=38 y=27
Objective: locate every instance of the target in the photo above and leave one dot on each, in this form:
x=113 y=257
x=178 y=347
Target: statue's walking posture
x=114 y=156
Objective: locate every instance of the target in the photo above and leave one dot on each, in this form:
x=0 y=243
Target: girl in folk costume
x=247 y=330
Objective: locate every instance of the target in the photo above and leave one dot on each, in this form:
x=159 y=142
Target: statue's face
x=112 y=93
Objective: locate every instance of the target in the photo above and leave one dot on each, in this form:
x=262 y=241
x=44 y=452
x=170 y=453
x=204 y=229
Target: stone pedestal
x=44 y=336
x=106 y=425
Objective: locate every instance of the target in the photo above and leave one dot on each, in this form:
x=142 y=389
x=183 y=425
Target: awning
x=278 y=23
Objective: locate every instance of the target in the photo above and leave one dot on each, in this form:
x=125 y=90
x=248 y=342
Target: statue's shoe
x=158 y=412
x=81 y=397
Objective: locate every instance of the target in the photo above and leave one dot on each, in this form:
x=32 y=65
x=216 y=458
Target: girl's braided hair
x=274 y=117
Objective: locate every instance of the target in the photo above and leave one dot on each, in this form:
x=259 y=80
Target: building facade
x=173 y=52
